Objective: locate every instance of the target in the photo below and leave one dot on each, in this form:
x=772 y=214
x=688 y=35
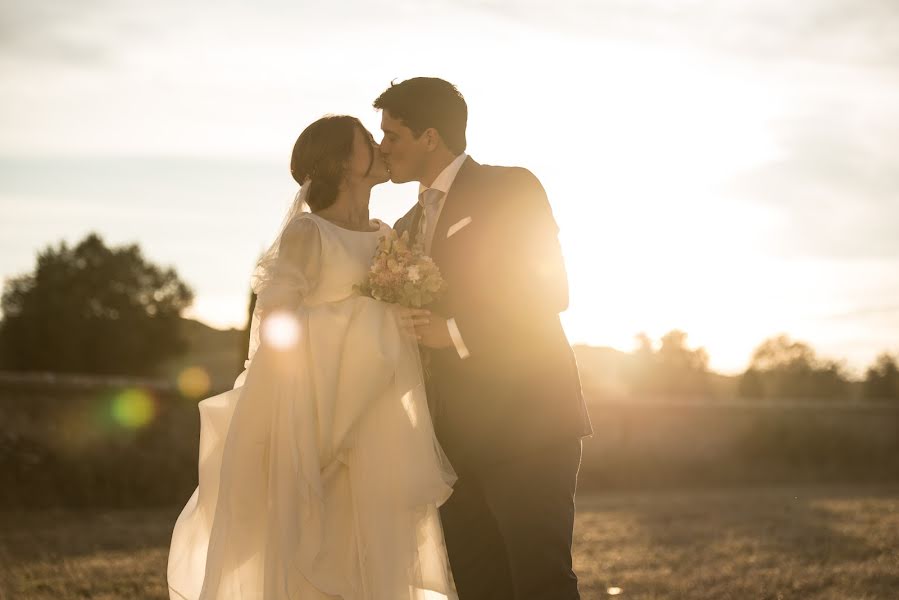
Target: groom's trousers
x=508 y=527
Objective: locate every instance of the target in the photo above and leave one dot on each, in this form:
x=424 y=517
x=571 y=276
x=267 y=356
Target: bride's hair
x=321 y=155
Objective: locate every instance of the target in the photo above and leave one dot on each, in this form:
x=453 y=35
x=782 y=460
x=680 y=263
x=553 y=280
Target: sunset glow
x=706 y=170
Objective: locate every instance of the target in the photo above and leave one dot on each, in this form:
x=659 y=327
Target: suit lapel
x=455 y=205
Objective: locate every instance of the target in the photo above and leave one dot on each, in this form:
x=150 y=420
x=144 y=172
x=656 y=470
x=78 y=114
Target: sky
x=727 y=168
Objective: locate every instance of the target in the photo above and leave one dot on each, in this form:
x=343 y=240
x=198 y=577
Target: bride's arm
x=287 y=278
x=296 y=268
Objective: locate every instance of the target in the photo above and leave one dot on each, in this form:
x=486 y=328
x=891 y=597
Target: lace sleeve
x=285 y=275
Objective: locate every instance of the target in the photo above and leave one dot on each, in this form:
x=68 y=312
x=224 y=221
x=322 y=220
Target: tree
x=783 y=368
x=92 y=309
x=882 y=378
x=673 y=369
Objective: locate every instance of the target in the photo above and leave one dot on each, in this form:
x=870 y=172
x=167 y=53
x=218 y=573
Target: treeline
x=94 y=309
x=784 y=368
x=780 y=368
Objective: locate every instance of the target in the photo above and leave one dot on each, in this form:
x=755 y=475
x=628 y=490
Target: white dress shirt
x=444 y=182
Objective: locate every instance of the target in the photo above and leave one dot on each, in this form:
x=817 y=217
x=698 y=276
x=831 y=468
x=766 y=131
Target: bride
x=319 y=473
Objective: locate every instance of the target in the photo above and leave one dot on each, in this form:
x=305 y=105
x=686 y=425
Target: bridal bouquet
x=401 y=273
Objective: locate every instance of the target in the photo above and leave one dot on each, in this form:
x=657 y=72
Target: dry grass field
x=770 y=543
x=765 y=543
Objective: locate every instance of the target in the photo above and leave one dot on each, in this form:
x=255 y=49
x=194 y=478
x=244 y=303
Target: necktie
x=430 y=202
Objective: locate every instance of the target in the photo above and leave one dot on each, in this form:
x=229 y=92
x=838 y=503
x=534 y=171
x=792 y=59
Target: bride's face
x=366 y=162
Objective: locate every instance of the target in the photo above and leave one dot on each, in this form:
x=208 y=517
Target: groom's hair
x=425 y=102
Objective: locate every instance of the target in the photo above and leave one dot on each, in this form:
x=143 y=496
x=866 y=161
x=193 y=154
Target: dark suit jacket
x=519 y=389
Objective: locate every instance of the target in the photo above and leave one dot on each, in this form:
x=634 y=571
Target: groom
x=503 y=385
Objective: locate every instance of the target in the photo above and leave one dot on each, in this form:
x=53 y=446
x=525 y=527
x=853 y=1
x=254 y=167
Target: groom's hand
x=410 y=318
x=433 y=332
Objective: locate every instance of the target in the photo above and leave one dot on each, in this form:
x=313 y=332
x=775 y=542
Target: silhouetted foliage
x=783 y=368
x=92 y=309
x=882 y=379
x=672 y=370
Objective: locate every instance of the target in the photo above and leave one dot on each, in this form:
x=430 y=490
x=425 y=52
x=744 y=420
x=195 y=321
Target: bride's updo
x=321 y=154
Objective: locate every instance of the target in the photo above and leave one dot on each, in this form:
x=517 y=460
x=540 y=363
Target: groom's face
x=405 y=154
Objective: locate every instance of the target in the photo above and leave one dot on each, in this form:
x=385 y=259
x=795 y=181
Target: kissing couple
x=340 y=467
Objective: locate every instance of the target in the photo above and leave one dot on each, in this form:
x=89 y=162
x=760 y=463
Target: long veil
x=270 y=271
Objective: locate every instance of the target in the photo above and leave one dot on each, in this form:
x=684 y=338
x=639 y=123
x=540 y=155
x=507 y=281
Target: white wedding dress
x=319 y=473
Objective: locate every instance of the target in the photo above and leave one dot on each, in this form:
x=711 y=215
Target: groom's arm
x=520 y=282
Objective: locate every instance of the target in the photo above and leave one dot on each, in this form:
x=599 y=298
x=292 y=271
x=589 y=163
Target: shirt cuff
x=457 y=338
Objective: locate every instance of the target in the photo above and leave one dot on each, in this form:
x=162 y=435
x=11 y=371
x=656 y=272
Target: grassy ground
x=772 y=543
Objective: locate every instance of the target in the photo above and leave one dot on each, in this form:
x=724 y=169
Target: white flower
x=413 y=274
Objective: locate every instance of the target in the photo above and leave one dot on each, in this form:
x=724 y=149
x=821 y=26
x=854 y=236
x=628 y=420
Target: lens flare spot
x=281 y=330
x=613 y=591
x=133 y=408
x=193 y=382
